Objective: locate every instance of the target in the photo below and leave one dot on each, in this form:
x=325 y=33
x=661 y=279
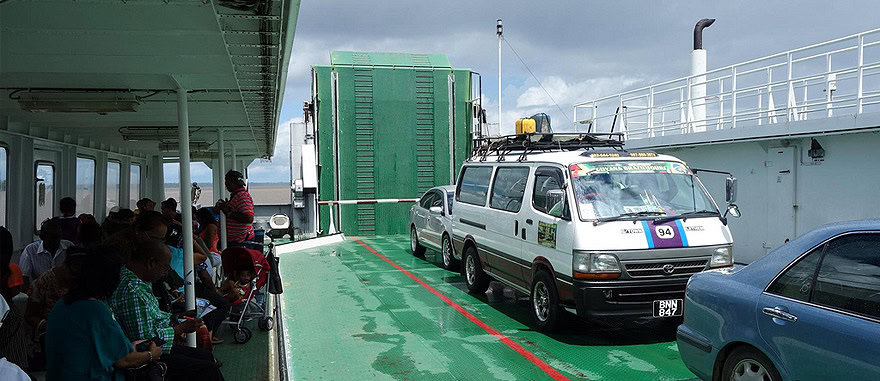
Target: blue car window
x=849 y=277
x=797 y=282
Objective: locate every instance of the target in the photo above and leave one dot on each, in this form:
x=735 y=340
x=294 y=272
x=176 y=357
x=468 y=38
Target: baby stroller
x=253 y=303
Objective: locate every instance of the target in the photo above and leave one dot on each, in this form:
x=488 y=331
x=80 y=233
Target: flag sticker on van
x=547 y=234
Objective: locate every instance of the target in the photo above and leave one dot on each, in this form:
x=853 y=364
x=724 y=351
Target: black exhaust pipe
x=698 y=32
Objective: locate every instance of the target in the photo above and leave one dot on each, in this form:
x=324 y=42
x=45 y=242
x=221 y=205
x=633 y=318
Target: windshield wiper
x=625 y=215
x=696 y=213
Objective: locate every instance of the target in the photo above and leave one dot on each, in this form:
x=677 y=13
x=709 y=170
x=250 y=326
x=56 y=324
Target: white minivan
x=577 y=222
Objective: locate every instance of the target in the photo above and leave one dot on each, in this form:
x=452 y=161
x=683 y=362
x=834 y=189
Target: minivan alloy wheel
x=541 y=301
x=413 y=240
x=750 y=370
x=470 y=269
x=447 y=253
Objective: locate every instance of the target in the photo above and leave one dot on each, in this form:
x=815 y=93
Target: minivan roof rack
x=525 y=144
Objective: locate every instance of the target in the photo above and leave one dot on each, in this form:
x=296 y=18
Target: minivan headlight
x=722 y=257
x=595 y=263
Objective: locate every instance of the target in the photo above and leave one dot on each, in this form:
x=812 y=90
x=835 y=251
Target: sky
x=578 y=50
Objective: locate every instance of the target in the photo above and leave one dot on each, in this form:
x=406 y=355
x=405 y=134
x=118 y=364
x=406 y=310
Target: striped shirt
x=241 y=202
x=137 y=311
x=35 y=260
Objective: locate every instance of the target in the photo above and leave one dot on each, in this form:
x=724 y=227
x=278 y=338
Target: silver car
x=431 y=224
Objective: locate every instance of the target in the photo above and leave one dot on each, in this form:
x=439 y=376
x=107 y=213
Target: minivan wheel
x=746 y=364
x=414 y=245
x=477 y=280
x=449 y=261
x=545 y=301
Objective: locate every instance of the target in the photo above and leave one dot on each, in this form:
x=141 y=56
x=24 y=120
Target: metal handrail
x=780 y=98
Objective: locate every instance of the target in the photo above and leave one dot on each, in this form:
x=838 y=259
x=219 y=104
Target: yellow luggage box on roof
x=525 y=125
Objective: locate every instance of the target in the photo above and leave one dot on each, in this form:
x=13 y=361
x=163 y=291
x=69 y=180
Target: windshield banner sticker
x=547 y=234
x=585 y=169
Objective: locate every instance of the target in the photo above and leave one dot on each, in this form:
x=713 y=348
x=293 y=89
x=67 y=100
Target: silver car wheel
x=413 y=240
x=447 y=253
x=470 y=269
x=541 y=301
x=750 y=370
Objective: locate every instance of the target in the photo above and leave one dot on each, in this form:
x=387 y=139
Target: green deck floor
x=351 y=315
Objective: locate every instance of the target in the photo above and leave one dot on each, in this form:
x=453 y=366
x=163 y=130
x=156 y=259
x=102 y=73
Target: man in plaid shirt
x=137 y=311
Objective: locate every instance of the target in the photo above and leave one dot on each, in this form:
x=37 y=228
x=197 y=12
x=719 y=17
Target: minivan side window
x=849 y=276
x=508 y=188
x=474 y=185
x=797 y=282
x=542 y=199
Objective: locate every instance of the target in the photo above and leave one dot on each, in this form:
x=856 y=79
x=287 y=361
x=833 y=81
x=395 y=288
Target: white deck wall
x=845 y=186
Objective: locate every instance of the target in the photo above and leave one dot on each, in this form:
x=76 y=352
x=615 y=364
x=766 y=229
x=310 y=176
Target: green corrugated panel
x=341 y=58
x=393 y=138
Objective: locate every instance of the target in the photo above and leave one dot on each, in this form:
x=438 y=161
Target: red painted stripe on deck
x=492 y=331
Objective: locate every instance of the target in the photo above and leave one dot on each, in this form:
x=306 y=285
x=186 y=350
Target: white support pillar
x=221 y=191
x=234 y=158
x=186 y=206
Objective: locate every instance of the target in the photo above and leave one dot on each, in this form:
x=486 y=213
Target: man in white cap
x=8 y=370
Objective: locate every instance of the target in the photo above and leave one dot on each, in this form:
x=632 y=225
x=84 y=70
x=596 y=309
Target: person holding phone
x=83 y=342
x=137 y=311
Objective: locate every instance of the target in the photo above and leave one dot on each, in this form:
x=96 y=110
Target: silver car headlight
x=595 y=263
x=722 y=257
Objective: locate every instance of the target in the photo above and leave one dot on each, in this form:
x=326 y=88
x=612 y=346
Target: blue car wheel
x=748 y=364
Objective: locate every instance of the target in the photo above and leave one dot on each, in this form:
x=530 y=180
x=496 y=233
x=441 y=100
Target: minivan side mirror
x=436 y=210
x=556 y=200
x=731 y=190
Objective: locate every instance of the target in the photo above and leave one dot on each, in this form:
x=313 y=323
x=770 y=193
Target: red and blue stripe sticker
x=665 y=235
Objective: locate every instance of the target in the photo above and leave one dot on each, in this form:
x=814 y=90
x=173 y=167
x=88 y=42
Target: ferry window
x=4 y=164
x=85 y=185
x=44 y=193
x=112 y=184
x=474 y=185
x=547 y=180
x=450 y=197
x=134 y=188
x=508 y=189
x=797 y=282
x=849 y=276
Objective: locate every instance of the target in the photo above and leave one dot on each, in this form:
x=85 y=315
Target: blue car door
x=821 y=317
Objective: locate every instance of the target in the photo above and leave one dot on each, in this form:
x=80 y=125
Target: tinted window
x=849 y=277
x=85 y=185
x=437 y=200
x=474 y=185
x=449 y=199
x=112 y=184
x=797 y=282
x=427 y=199
x=3 y=180
x=542 y=200
x=508 y=189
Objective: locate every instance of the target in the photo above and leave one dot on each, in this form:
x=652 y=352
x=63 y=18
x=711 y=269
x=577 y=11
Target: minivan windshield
x=621 y=189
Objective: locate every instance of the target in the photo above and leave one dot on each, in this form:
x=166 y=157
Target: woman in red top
x=209 y=229
x=11 y=280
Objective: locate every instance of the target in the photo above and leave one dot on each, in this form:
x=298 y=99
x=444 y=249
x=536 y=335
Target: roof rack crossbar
x=524 y=144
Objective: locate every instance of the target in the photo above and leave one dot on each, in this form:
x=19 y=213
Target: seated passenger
x=8 y=370
x=145 y=205
x=83 y=342
x=138 y=313
x=175 y=227
x=89 y=234
x=68 y=220
x=15 y=337
x=118 y=220
x=41 y=255
x=48 y=289
x=11 y=280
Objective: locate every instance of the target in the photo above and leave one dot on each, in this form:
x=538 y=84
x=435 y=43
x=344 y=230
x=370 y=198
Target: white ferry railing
x=784 y=87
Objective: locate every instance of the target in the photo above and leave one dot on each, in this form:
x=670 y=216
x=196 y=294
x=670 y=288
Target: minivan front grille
x=655 y=269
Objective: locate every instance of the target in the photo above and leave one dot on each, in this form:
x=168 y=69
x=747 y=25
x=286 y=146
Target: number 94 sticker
x=664 y=232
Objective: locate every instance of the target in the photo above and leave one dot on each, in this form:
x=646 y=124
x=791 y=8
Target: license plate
x=668 y=308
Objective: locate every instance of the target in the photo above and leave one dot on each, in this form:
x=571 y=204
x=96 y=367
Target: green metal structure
x=388 y=125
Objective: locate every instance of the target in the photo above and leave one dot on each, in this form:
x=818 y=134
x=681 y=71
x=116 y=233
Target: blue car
x=809 y=310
